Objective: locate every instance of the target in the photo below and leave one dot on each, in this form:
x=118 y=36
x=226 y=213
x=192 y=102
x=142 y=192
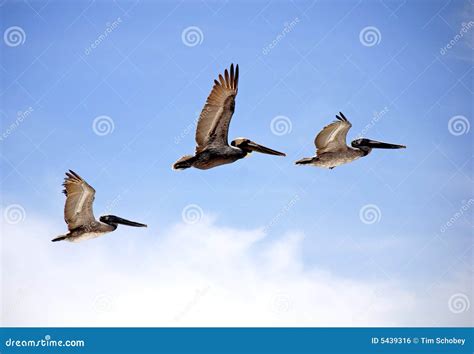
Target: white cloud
x=196 y=275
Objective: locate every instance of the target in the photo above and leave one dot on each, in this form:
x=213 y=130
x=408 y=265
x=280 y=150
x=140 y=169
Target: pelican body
x=210 y=157
x=78 y=212
x=212 y=130
x=331 y=148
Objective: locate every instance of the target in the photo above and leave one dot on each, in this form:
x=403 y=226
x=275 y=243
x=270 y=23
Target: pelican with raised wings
x=331 y=148
x=212 y=129
x=78 y=212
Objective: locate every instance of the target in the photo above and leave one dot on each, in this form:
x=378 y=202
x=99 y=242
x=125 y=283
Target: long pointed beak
x=380 y=145
x=128 y=222
x=264 y=150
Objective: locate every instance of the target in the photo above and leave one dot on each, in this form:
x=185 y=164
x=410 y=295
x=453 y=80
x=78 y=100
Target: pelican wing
x=79 y=198
x=214 y=121
x=333 y=136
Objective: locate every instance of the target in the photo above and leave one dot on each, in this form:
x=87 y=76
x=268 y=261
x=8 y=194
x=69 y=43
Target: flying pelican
x=212 y=129
x=78 y=212
x=331 y=148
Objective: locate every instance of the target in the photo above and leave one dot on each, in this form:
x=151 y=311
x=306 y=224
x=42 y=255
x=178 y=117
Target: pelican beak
x=121 y=221
x=264 y=150
x=380 y=145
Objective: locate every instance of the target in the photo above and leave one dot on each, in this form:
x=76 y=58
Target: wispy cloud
x=198 y=274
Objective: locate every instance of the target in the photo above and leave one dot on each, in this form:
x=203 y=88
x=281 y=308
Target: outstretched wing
x=79 y=199
x=214 y=121
x=333 y=136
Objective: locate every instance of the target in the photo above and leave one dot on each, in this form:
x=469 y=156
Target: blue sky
x=152 y=86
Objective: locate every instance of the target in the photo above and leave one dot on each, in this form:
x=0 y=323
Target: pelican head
x=248 y=146
x=367 y=145
x=115 y=220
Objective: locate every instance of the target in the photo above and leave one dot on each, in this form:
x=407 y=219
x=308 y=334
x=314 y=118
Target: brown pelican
x=212 y=129
x=331 y=148
x=78 y=212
